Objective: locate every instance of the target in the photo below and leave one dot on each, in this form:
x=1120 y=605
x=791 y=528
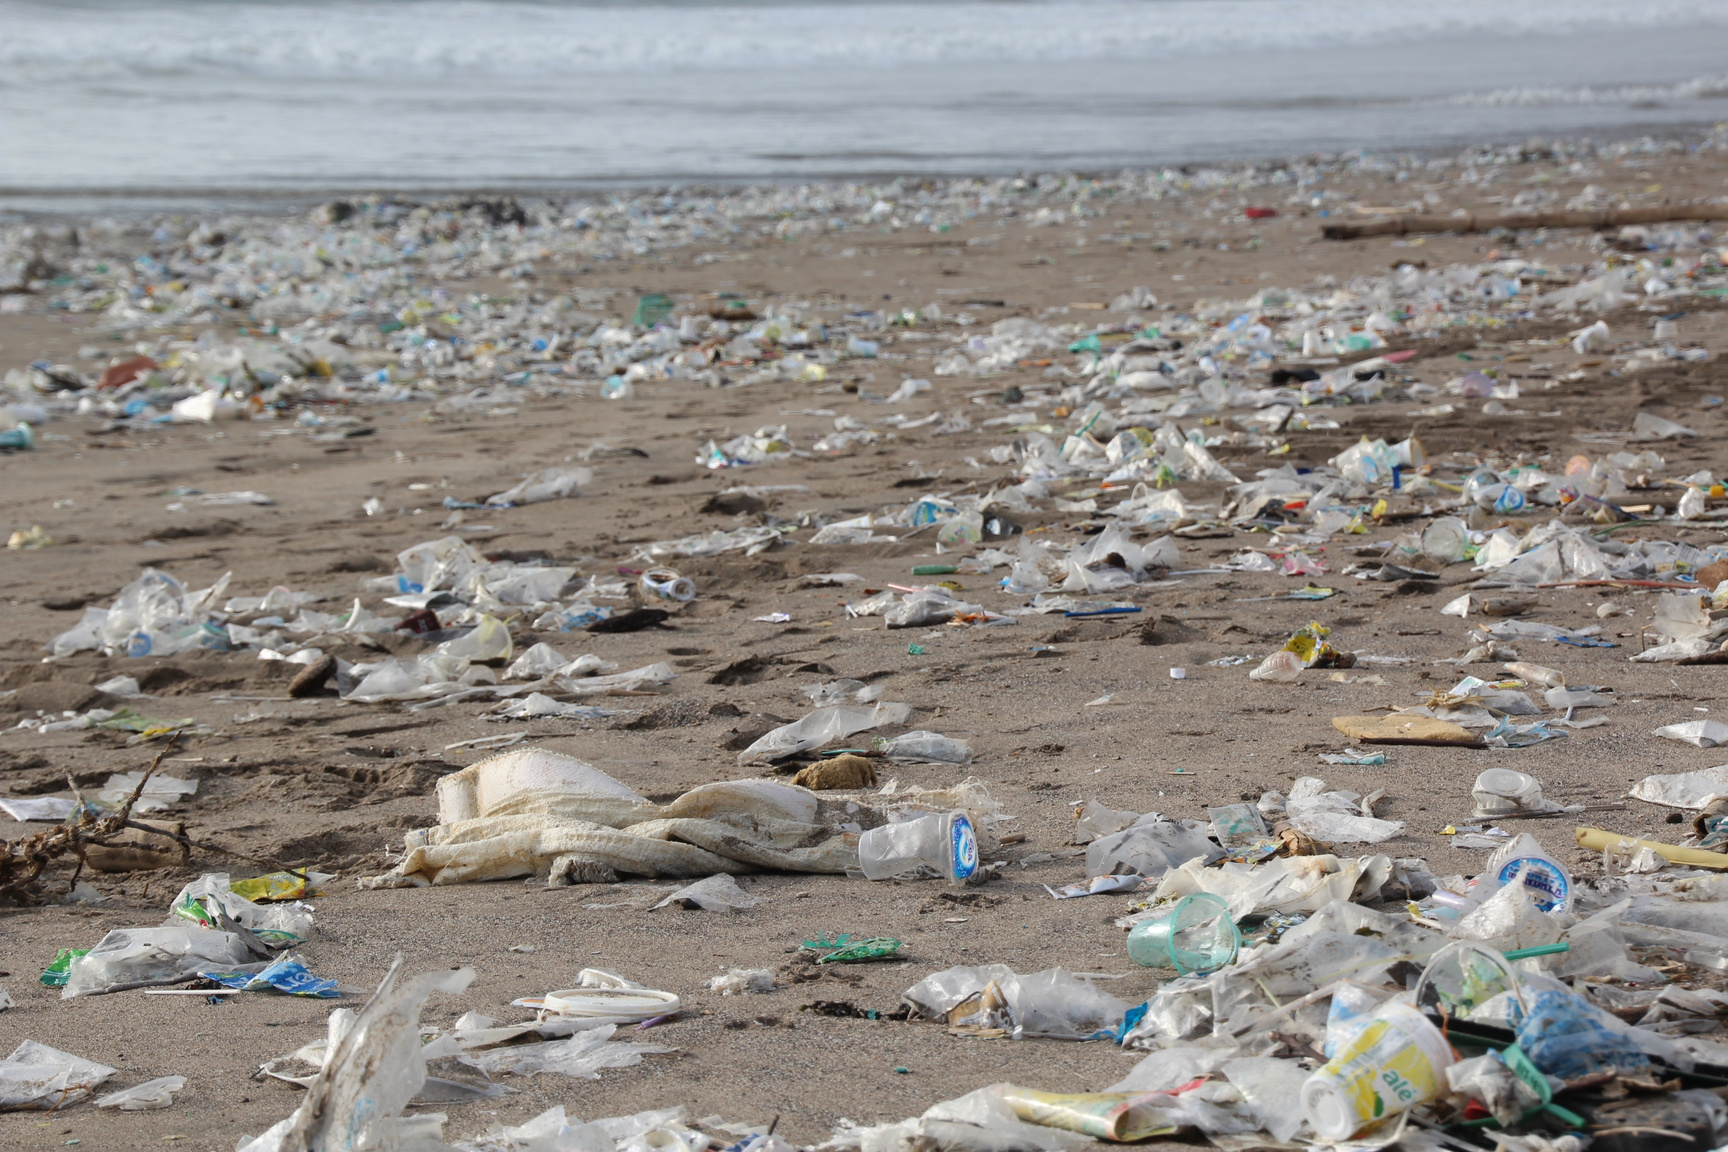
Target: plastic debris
x=46 y=1079
x=715 y=894
x=145 y=1097
x=738 y=981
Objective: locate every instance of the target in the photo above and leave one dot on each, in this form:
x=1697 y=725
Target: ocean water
x=134 y=97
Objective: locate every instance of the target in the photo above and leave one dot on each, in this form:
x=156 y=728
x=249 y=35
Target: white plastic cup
x=1501 y=790
x=1396 y=1062
x=943 y=842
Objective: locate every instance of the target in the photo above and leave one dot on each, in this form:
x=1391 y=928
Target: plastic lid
x=1504 y=782
x=628 y=1003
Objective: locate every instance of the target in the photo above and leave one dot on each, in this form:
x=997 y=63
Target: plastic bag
x=819 y=728
x=489 y=641
x=370 y=1073
x=1699 y=734
x=1094 y=820
x=546 y=484
x=738 y=981
x=1053 y=1003
x=925 y=747
x=137 y=957
x=1566 y=1036
x=1150 y=846
x=1352 y=1007
x=1272 y=1089
x=926 y=607
x=1510 y=920
x=36 y=1076
x=209 y=898
x=1693 y=790
x=716 y=894
x=1335 y=817
x=145 y=1097
x=1487 y=1080
x=581 y=1056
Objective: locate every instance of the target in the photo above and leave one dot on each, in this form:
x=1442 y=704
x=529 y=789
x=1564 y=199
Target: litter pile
x=1363 y=1003
x=531 y=811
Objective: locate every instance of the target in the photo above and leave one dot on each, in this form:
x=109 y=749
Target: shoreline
x=41 y=202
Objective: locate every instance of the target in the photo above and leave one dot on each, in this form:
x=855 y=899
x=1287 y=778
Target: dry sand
x=322 y=783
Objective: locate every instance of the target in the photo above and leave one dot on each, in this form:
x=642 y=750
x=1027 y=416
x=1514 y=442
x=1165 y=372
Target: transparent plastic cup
x=1446 y=539
x=1195 y=936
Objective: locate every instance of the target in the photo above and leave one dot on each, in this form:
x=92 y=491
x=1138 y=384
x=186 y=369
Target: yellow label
x=1383 y=1072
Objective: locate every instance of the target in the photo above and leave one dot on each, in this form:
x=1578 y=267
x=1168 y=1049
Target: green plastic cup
x=1197 y=935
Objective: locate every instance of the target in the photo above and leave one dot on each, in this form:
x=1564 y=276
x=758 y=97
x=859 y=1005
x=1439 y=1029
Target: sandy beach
x=334 y=785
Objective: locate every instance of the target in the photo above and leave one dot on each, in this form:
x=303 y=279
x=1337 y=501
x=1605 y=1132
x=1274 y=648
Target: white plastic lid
x=628 y=1003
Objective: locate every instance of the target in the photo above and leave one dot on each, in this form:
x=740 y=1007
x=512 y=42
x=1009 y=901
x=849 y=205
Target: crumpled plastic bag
x=1693 y=790
x=821 y=727
x=36 y=1076
x=1151 y=846
x=979 y=1121
x=1053 y=1003
x=1094 y=820
x=370 y=1073
x=925 y=747
x=1678 y=650
x=208 y=899
x=1510 y=920
x=1296 y=884
x=1272 y=1089
x=140 y=957
x=739 y=981
x=159 y=795
x=1699 y=734
x=532 y=809
x=716 y=894
x=1335 y=817
x=547 y=484
x=582 y=1056
x=145 y=1097
x=927 y=607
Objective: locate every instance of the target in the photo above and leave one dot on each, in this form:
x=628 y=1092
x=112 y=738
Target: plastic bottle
x=17 y=438
x=1396 y=1062
x=942 y=842
x=617 y=388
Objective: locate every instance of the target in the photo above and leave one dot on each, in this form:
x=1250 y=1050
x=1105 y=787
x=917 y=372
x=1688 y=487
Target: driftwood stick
x=1470 y=222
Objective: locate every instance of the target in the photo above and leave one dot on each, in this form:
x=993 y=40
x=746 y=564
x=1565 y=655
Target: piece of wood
x=1469 y=222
